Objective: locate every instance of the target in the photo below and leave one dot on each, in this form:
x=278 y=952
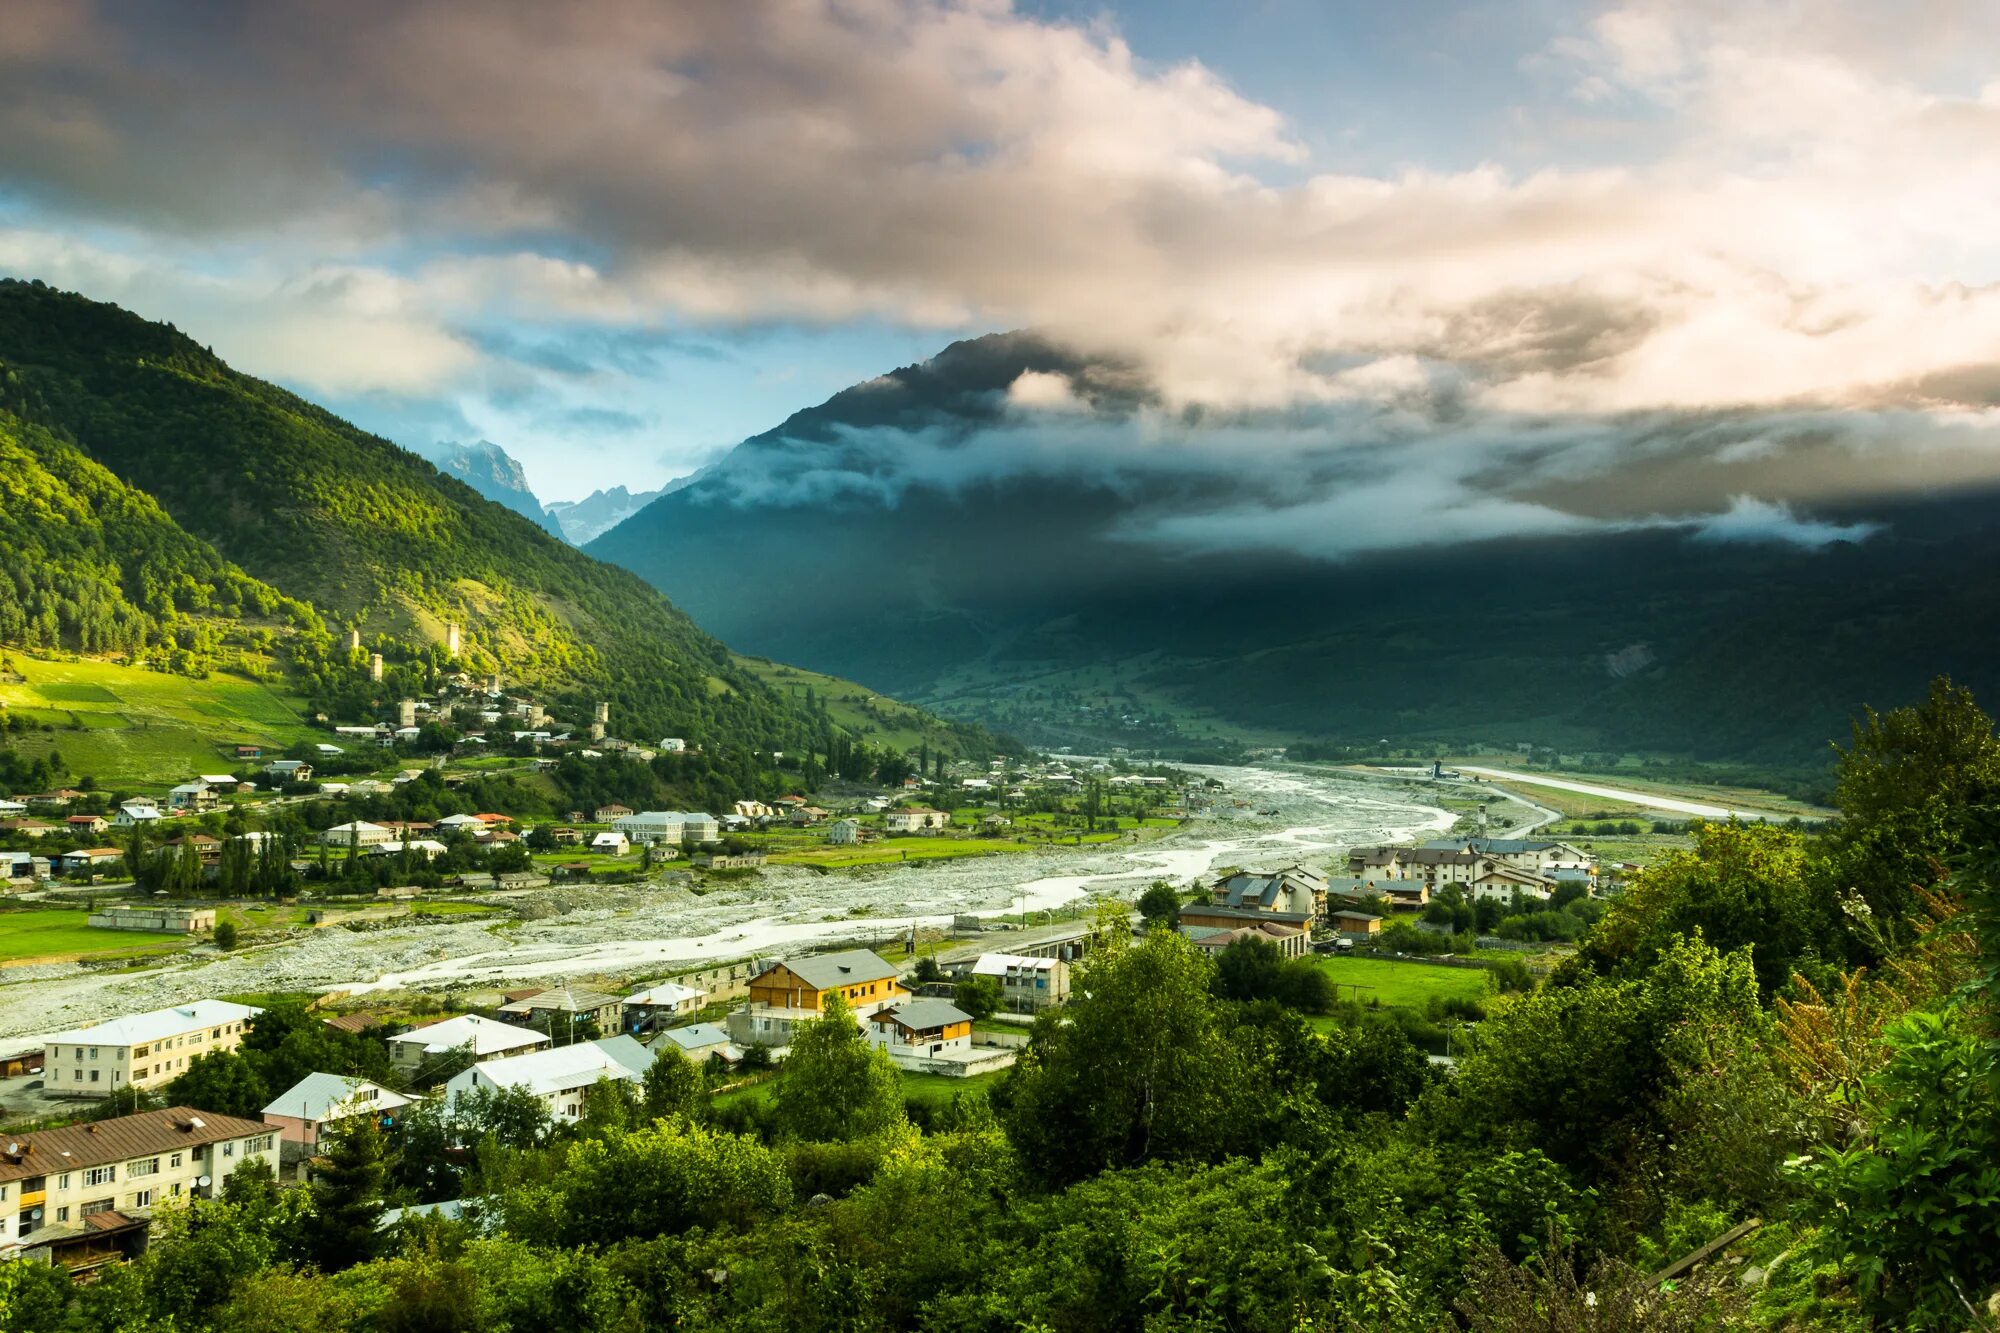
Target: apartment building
x=143 y=1050
x=80 y=1182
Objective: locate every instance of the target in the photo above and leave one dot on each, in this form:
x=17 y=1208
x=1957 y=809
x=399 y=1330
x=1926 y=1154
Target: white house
x=190 y=796
x=669 y=826
x=8 y=807
x=324 y=1099
x=357 y=833
x=1027 y=985
x=428 y=848
x=558 y=1077
x=141 y=1050
x=131 y=814
x=482 y=1038
x=289 y=770
x=914 y=819
x=643 y=1009
x=698 y=1041
x=453 y=823
x=610 y=843
x=917 y=1030
x=843 y=832
x=673 y=745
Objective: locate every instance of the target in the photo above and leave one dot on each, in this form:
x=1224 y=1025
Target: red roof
x=494 y=819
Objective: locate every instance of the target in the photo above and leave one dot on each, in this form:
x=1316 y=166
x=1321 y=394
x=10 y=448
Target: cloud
x=1749 y=519
x=1788 y=246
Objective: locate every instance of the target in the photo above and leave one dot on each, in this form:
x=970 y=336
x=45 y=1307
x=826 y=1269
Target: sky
x=1504 y=267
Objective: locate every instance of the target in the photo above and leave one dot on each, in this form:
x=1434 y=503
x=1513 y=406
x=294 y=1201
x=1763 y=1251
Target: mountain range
x=158 y=506
x=584 y=520
x=495 y=474
x=914 y=534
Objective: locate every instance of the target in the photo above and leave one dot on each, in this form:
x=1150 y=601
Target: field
x=935 y=1089
x=1404 y=985
x=132 y=728
x=891 y=851
x=882 y=720
x=60 y=932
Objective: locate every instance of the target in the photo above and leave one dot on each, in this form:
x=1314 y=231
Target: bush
x=225 y=934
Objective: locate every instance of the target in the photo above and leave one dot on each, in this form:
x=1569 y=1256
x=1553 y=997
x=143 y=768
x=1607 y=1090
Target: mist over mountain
x=1013 y=529
x=495 y=474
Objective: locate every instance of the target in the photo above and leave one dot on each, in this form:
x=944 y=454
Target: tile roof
x=101 y=1142
x=137 y=1028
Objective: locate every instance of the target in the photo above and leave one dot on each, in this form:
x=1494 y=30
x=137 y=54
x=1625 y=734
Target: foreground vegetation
x=1791 y=1030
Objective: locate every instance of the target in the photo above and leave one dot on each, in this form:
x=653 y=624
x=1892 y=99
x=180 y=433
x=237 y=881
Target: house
x=673 y=745
x=1223 y=916
x=1503 y=881
x=191 y=796
x=317 y=1100
x=132 y=814
x=28 y=828
x=323 y=748
x=1298 y=890
x=142 y=1050
x=78 y=1195
x=220 y=781
x=182 y=920
x=1358 y=926
x=604 y=814
x=460 y=823
x=481 y=1038
x=21 y=866
x=843 y=833
x=674 y=826
x=357 y=833
x=610 y=843
x=805 y=816
x=1537 y=854
x=428 y=848
x=249 y=752
x=8 y=807
x=914 y=819
x=565 y=836
x=921 y=1030
x=698 y=1042
x=208 y=849
x=788 y=993
x=647 y=1009
x=752 y=810
x=1027 y=985
x=289 y=770
x=718 y=861
x=551 y=1009
x=559 y=1077
x=88 y=859
x=1291 y=941
x=83 y=824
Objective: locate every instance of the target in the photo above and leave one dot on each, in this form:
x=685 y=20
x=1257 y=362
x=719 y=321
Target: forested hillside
x=370 y=534
x=95 y=565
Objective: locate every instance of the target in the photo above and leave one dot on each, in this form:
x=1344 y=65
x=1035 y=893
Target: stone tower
x=597 y=731
x=451 y=639
x=604 y=714
x=375 y=666
x=353 y=639
x=406 y=713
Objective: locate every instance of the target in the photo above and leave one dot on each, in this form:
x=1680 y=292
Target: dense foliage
x=1182 y=1147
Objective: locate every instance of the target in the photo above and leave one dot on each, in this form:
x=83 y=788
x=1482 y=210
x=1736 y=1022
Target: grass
x=859 y=709
x=136 y=729
x=1401 y=985
x=60 y=932
x=892 y=851
x=936 y=1089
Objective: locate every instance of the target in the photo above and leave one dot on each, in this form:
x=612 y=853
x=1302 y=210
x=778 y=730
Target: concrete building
x=914 y=819
x=60 y=1189
x=560 y=1077
x=1027 y=985
x=698 y=1041
x=184 y=920
x=481 y=1038
x=675 y=826
x=142 y=1051
x=317 y=1100
x=357 y=833
x=647 y=1009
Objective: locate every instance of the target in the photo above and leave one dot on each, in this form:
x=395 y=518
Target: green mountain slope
x=374 y=537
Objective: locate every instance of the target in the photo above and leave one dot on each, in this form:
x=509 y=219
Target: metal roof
x=101 y=1142
x=828 y=971
x=316 y=1096
x=923 y=1015
x=159 y=1023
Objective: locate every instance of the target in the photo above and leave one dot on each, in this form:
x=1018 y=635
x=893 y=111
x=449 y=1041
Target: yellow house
x=858 y=976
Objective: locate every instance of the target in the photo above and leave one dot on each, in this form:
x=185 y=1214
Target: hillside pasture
x=133 y=728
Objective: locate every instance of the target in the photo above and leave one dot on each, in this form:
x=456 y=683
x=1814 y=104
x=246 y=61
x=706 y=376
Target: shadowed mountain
x=925 y=535
x=495 y=474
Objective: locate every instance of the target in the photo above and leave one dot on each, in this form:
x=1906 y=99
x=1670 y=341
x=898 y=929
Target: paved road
x=1638 y=798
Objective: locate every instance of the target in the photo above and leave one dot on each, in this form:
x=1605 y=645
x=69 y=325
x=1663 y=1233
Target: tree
x=978 y=996
x=836 y=1084
x=1160 y=906
x=672 y=1085
x=928 y=971
x=225 y=934
x=225 y=1082
x=1135 y=1068
x=347 y=1193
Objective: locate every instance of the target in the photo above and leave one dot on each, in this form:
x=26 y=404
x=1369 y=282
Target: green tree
x=346 y=1191
x=835 y=1083
x=1160 y=906
x=978 y=996
x=672 y=1085
x=225 y=934
x=224 y=1082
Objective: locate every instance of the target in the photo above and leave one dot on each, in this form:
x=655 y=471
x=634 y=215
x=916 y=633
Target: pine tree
x=347 y=1194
